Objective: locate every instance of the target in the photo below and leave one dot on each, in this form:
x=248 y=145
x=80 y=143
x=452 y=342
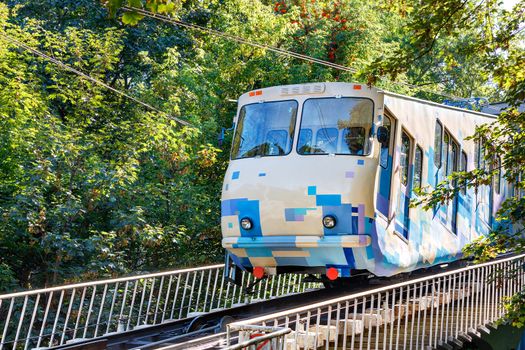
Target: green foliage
x=132 y=17
x=515 y=310
x=7 y=278
x=93 y=185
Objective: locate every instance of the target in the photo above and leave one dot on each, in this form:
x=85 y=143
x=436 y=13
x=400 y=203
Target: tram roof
x=314 y=86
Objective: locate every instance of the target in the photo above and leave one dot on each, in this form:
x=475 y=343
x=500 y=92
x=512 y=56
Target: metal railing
x=450 y=307
x=259 y=337
x=54 y=316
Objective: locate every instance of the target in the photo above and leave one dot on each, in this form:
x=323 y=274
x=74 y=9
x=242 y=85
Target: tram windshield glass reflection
x=336 y=126
x=265 y=129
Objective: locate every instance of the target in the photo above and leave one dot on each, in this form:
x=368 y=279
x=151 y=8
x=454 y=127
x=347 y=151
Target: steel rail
x=205 y=342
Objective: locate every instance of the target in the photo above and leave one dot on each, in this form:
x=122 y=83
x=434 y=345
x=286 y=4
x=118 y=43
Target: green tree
x=80 y=165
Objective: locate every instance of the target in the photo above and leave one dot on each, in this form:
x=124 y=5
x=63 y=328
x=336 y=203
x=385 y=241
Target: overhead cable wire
x=277 y=50
x=238 y=39
x=90 y=78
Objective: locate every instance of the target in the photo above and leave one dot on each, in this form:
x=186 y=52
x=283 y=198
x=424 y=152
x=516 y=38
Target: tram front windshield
x=336 y=126
x=328 y=126
x=265 y=129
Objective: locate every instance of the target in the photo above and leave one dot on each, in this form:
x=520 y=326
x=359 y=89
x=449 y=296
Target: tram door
x=405 y=185
x=385 y=170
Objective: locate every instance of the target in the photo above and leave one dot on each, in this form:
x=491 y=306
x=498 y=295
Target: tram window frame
x=418 y=168
x=438 y=153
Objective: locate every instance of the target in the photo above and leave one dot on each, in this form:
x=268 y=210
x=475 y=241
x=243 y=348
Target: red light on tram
x=258 y=272
x=258 y=93
x=252 y=93
x=332 y=273
x=357 y=87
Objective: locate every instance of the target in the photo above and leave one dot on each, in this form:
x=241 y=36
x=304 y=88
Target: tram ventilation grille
x=303 y=89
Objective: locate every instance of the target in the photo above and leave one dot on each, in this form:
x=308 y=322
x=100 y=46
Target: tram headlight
x=246 y=224
x=329 y=221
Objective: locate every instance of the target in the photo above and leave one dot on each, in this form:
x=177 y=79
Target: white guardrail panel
x=424 y=313
x=54 y=316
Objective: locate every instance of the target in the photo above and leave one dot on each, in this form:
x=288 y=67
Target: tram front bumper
x=280 y=242
x=298 y=251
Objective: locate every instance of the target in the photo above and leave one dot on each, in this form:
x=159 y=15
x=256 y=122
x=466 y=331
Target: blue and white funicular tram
x=321 y=176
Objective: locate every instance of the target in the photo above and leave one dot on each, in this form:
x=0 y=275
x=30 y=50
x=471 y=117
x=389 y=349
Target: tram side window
x=418 y=167
x=463 y=167
x=515 y=187
x=497 y=176
x=446 y=146
x=522 y=191
x=483 y=163
x=383 y=160
x=404 y=158
x=476 y=155
x=451 y=154
x=451 y=166
x=515 y=190
x=453 y=157
x=479 y=154
x=438 y=144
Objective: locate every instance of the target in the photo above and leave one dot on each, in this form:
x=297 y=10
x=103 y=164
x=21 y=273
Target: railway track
x=192 y=328
x=208 y=330
x=446 y=310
